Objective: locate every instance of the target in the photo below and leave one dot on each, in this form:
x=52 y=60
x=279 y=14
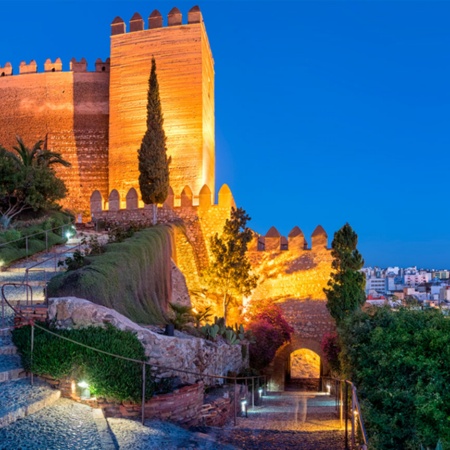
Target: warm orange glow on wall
x=304 y=363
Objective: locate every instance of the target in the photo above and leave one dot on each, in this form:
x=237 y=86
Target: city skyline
x=326 y=112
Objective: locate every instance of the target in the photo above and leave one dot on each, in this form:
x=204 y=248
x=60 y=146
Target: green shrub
x=133 y=277
x=36 y=241
x=107 y=376
x=400 y=363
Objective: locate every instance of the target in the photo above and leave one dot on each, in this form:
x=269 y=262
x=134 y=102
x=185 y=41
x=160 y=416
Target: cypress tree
x=346 y=286
x=152 y=155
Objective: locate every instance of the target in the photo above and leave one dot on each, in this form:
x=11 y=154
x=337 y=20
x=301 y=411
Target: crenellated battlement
x=185 y=200
x=274 y=241
x=56 y=66
x=6 y=70
x=155 y=20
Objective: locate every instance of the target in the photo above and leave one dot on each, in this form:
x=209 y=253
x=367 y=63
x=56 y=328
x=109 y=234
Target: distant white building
x=376 y=284
x=411 y=278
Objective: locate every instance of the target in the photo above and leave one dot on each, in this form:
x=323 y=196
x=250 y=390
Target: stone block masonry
x=69 y=111
x=96 y=120
x=169 y=356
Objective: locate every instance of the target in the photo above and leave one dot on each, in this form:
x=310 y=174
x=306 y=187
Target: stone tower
x=185 y=72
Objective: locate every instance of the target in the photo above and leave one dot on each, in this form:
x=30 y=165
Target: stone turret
x=319 y=239
x=296 y=239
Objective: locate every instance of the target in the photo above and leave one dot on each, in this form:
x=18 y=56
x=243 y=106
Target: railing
x=349 y=410
x=43 y=283
x=255 y=380
x=63 y=229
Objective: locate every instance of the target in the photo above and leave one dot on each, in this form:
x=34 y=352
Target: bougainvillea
x=269 y=330
x=331 y=349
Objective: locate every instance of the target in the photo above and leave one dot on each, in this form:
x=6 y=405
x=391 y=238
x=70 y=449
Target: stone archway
x=281 y=367
x=304 y=370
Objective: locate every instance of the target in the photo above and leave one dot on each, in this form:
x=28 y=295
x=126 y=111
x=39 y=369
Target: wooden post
x=346 y=415
x=32 y=350
x=235 y=402
x=143 y=394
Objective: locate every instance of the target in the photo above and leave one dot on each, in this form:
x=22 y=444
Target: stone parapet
x=169 y=356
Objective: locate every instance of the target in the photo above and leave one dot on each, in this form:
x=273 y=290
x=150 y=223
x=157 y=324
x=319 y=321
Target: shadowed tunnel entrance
x=298 y=365
x=303 y=370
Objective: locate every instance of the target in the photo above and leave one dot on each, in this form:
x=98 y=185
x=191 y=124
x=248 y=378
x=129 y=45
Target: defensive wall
x=291 y=273
x=69 y=111
x=186 y=84
x=97 y=119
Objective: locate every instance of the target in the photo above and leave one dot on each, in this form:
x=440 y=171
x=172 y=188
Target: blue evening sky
x=326 y=111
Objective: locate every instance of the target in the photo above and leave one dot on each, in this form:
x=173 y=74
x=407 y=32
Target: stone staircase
x=18 y=398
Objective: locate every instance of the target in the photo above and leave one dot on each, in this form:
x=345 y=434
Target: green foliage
x=231 y=335
x=153 y=160
x=210 y=331
x=346 y=285
x=182 y=316
x=28 y=180
x=13 y=244
x=228 y=275
x=119 y=232
x=269 y=330
x=400 y=362
x=107 y=376
x=132 y=277
x=201 y=316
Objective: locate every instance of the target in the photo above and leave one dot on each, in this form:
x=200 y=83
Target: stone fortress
x=96 y=120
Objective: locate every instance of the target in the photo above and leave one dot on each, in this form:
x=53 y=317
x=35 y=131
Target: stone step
x=19 y=399
x=11 y=368
x=5 y=331
x=8 y=350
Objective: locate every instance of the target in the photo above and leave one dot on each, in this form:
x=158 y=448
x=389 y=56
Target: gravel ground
x=131 y=435
x=64 y=425
x=291 y=420
x=17 y=393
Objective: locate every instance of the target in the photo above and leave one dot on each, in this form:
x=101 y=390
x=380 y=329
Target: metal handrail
x=144 y=363
x=355 y=416
x=37 y=234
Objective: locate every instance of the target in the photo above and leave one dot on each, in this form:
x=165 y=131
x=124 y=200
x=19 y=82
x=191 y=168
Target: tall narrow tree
x=229 y=273
x=346 y=286
x=152 y=155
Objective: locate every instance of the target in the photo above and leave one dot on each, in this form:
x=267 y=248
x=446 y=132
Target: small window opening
x=103 y=68
x=53 y=69
x=3 y=74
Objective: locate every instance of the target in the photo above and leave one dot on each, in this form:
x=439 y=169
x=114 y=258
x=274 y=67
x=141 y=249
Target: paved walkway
x=287 y=420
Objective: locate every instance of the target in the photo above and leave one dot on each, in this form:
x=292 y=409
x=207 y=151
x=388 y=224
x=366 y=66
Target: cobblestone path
x=286 y=420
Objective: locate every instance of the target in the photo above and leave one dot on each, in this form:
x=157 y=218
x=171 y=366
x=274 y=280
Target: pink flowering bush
x=331 y=349
x=269 y=330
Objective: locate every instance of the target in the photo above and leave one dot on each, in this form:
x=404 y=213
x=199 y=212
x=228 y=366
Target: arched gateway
x=301 y=363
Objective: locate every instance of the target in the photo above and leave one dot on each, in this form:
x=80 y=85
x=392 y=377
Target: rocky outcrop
x=170 y=356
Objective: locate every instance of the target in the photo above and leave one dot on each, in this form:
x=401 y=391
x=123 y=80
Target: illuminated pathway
x=287 y=420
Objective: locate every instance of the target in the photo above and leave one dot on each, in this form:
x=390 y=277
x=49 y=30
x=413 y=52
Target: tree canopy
x=28 y=180
x=346 y=285
x=229 y=272
x=152 y=154
x=400 y=363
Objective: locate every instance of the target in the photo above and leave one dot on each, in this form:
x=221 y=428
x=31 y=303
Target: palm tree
x=36 y=156
x=28 y=180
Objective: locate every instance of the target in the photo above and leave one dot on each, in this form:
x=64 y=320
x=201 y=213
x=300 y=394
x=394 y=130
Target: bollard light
x=328 y=388
x=260 y=392
x=244 y=408
x=85 y=392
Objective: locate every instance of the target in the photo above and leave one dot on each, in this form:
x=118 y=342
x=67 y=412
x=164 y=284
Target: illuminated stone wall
x=193 y=225
x=186 y=84
x=69 y=111
x=96 y=120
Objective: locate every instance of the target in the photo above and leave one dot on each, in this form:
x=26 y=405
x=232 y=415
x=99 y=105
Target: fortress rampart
x=69 y=111
x=96 y=119
x=186 y=85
